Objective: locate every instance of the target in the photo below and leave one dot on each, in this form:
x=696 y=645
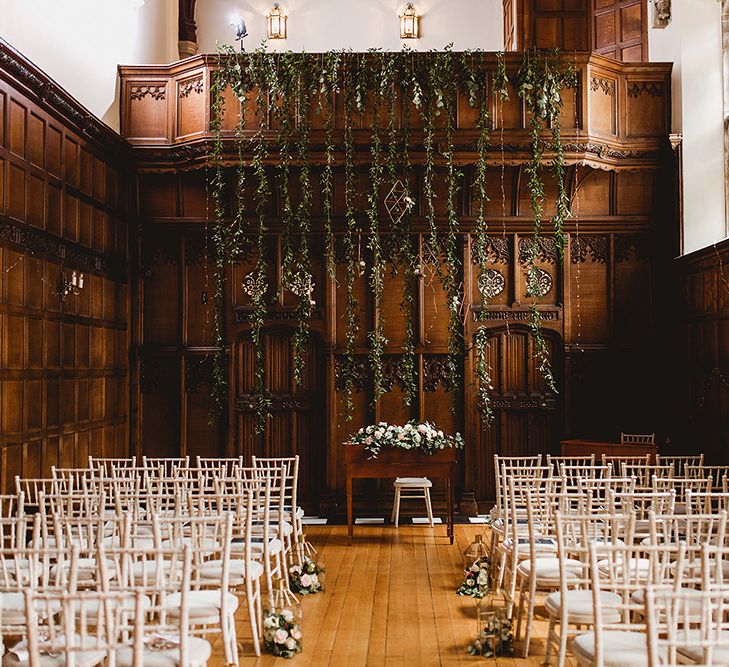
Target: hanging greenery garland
x=283 y=85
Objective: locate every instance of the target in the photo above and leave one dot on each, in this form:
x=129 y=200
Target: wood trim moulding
x=40 y=243
x=21 y=72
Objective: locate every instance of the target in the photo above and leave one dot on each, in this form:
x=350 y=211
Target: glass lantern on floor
x=308 y=574
x=494 y=635
x=476 y=551
x=283 y=624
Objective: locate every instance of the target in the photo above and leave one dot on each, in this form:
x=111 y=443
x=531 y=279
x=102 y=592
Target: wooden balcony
x=618 y=116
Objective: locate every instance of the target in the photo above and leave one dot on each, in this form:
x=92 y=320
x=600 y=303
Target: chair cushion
x=547 y=569
x=87 y=658
x=91 y=606
x=622 y=648
x=213 y=569
x=639 y=566
x=275 y=546
x=198 y=653
x=413 y=481
x=580 y=608
x=201 y=604
x=145 y=572
x=13 y=608
x=720 y=654
x=542 y=545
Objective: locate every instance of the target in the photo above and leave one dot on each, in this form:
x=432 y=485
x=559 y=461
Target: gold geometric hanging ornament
x=398 y=202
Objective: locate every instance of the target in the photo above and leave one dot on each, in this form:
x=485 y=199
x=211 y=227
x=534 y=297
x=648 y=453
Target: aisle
x=390 y=600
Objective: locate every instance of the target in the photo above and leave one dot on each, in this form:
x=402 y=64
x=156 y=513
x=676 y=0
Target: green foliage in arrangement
x=277 y=92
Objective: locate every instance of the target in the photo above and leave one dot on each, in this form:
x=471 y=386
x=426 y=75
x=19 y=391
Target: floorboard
x=390 y=600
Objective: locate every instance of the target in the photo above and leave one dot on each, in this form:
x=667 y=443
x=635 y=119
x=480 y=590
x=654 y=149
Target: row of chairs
x=236 y=525
x=549 y=517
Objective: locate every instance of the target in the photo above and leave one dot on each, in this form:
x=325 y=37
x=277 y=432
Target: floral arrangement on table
x=281 y=633
x=494 y=638
x=477 y=582
x=304 y=579
x=421 y=436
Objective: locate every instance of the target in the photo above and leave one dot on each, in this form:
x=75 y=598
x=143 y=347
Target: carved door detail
x=296 y=424
x=525 y=409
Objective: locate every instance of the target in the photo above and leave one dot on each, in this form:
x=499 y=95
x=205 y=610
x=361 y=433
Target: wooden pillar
x=187 y=29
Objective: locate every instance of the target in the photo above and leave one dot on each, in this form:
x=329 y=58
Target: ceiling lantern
x=276 y=23
x=409 y=23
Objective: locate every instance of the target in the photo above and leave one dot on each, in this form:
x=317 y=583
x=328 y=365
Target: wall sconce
x=72 y=285
x=276 y=23
x=409 y=23
x=240 y=30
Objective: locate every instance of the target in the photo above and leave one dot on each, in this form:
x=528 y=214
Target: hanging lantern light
x=409 y=23
x=276 y=23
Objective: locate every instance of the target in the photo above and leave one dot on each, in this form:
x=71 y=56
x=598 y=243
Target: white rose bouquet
x=305 y=579
x=281 y=633
x=477 y=580
x=414 y=435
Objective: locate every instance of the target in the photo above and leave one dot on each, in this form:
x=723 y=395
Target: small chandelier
x=276 y=23
x=409 y=23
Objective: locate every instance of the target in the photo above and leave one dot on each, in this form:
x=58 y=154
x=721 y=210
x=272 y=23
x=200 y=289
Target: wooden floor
x=390 y=600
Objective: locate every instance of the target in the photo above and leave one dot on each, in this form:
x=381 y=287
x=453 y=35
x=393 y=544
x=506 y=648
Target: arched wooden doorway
x=296 y=423
x=526 y=411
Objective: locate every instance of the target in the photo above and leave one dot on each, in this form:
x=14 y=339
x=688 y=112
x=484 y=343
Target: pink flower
x=401 y=436
x=281 y=636
x=306 y=580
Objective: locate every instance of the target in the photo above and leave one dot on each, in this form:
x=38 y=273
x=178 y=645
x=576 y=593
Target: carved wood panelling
x=64 y=368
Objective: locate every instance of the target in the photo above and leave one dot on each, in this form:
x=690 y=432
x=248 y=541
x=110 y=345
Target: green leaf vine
x=283 y=86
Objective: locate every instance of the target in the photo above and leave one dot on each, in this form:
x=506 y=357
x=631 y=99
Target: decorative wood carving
x=140 y=92
x=594 y=246
x=547 y=249
x=436 y=372
x=631 y=246
x=607 y=86
x=357 y=371
x=392 y=373
x=191 y=86
x=498 y=249
x=651 y=88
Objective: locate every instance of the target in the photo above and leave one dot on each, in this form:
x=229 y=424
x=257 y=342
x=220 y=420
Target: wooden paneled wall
x=701 y=370
x=64 y=383
x=614 y=28
x=598 y=315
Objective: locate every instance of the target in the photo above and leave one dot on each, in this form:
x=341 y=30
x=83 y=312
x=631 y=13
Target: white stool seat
x=409 y=488
x=415 y=482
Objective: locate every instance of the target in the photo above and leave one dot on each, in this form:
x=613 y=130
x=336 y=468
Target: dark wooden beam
x=187 y=29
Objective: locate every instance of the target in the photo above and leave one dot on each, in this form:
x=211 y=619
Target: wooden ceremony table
x=586 y=447
x=392 y=462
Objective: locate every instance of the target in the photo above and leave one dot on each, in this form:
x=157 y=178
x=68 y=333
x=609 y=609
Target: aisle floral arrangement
x=281 y=633
x=305 y=579
x=477 y=582
x=423 y=437
x=494 y=638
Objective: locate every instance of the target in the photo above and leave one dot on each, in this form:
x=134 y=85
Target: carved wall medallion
x=543 y=284
x=607 y=86
x=140 y=92
x=661 y=13
x=593 y=246
x=651 y=88
x=191 y=86
x=254 y=284
x=491 y=283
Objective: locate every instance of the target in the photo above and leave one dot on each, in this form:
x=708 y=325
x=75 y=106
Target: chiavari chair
x=718 y=474
x=675 y=637
x=637 y=438
x=211 y=604
x=518 y=532
x=573 y=473
x=31 y=488
x=573 y=603
x=680 y=463
x=165 y=465
x=644 y=474
x=706 y=502
x=681 y=485
x=617 y=461
x=109 y=464
x=292 y=512
x=538 y=566
x=641 y=503
x=618 y=637
x=556 y=462
x=596 y=491
x=222 y=467
x=12 y=505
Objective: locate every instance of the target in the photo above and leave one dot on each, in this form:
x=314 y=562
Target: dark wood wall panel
x=64 y=383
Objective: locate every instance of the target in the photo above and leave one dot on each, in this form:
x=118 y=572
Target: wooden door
x=296 y=424
x=525 y=409
x=620 y=29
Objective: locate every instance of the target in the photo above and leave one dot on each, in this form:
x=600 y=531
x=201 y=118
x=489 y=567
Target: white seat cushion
x=273 y=529
x=213 y=569
x=622 y=648
x=416 y=482
x=87 y=658
x=542 y=545
x=547 y=569
x=146 y=571
x=580 y=608
x=91 y=606
x=720 y=654
x=13 y=608
x=638 y=566
x=275 y=546
x=198 y=653
x=202 y=604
